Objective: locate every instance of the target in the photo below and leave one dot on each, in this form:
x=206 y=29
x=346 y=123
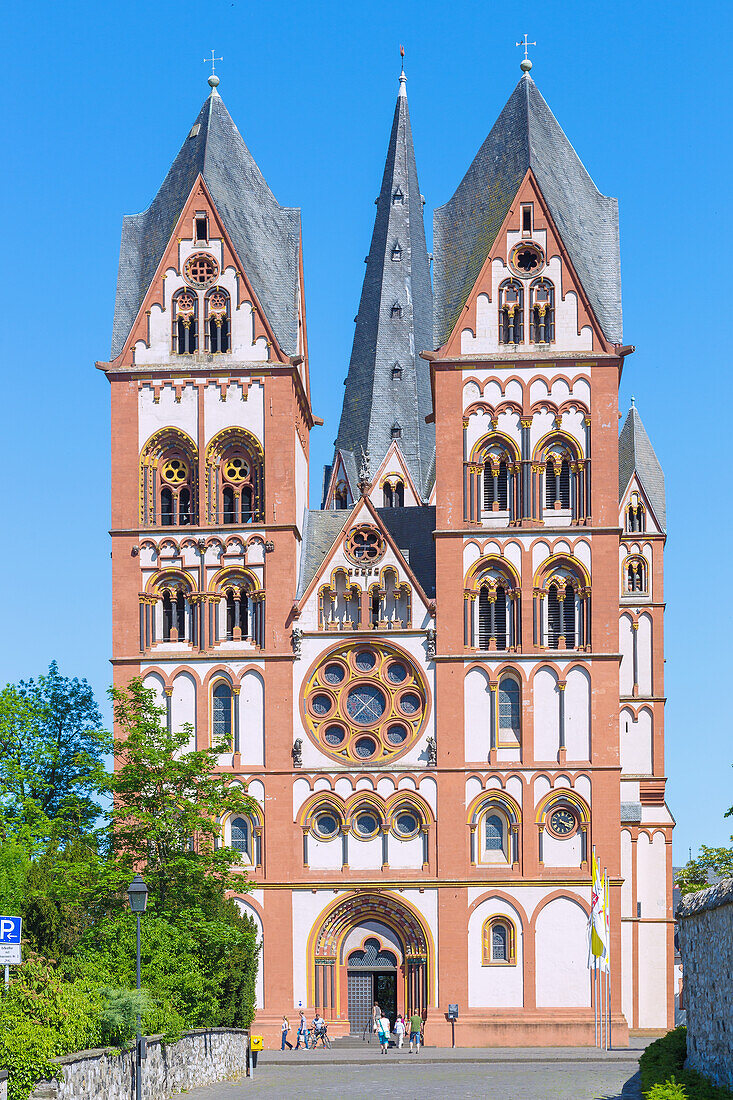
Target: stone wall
x=198 y=1058
x=705 y=921
x=3 y=1084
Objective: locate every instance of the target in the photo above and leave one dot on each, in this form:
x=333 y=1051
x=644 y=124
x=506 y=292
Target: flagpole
x=608 y=959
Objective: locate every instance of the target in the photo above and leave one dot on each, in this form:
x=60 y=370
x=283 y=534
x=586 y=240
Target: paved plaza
x=463 y=1075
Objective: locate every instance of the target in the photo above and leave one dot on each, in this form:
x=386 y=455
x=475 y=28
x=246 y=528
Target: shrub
x=119 y=1013
x=663 y=1076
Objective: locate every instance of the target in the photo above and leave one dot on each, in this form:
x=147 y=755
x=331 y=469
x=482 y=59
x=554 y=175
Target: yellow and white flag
x=596 y=919
x=606 y=957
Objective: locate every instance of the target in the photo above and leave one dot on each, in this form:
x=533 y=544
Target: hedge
x=663 y=1076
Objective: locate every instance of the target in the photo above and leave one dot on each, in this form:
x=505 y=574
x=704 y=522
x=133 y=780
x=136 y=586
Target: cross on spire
x=213 y=79
x=525 y=64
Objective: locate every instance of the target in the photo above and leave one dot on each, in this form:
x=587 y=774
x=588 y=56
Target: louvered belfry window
x=561 y=618
x=557 y=486
x=496 y=489
x=492 y=618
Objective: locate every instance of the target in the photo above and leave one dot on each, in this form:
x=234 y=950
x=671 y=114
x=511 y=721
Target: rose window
x=201 y=270
x=365 y=703
x=174 y=471
x=364 y=545
x=527 y=258
x=236 y=469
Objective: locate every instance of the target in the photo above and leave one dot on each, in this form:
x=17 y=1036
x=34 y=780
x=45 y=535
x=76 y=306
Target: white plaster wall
x=167 y=413
x=324 y=855
x=577 y=715
x=627 y=971
x=252 y=719
x=365 y=855
x=477 y=705
x=644 y=643
x=651 y=875
x=156 y=683
x=249 y=910
x=183 y=706
x=561 y=956
x=626 y=648
x=636 y=742
x=239 y=410
x=546 y=715
x=306 y=909
x=405 y=854
x=560 y=853
x=627 y=856
x=653 y=975
x=494 y=986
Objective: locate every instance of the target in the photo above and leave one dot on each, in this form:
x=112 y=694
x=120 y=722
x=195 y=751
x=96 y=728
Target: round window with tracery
x=236 y=470
x=365 y=704
x=175 y=471
x=364 y=545
x=201 y=270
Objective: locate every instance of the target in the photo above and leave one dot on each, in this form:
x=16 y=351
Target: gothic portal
x=444 y=686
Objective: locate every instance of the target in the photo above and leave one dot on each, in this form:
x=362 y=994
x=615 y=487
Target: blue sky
x=102 y=96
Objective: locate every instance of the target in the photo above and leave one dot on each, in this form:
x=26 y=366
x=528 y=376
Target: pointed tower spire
x=637 y=456
x=388 y=387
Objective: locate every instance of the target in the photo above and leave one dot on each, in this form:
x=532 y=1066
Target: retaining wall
x=197 y=1058
x=705 y=922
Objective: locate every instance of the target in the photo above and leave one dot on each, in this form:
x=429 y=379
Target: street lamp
x=137 y=893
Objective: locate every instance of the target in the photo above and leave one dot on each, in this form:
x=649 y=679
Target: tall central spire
x=388 y=387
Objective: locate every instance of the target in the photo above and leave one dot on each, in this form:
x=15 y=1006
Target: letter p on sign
x=10 y=930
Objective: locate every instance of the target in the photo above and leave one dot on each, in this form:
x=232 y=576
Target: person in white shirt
x=383 y=1033
x=399 y=1030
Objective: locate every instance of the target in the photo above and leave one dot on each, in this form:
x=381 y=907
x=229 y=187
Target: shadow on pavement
x=630 y=1091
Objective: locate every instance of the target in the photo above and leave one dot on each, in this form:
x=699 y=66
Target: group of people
x=381 y=1024
x=318 y=1031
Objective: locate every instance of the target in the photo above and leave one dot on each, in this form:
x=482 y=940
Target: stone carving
x=432 y=750
x=298 y=752
x=431 y=638
x=297 y=640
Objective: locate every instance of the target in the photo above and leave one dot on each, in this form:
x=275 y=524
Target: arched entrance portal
x=370 y=947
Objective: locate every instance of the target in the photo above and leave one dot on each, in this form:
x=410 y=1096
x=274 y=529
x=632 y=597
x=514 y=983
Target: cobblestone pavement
x=557 y=1080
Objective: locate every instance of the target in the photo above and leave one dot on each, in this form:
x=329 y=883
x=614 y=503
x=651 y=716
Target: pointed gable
x=526 y=136
x=388 y=384
x=636 y=456
x=266 y=236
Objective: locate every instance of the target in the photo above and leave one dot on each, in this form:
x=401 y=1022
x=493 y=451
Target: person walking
x=302 y=1032
x=399 y=1030
x=285 y=1030
x=376 y=1017
x=415 y=1031
x=383 y=1030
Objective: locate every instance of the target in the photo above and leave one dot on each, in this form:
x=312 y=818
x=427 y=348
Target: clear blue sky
x=102 y=96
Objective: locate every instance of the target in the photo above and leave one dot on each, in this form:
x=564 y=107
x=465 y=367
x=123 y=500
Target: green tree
x=711 y=863
x=52 y=751
x=167 y=808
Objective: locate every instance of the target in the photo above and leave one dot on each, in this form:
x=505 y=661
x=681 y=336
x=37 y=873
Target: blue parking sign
x=10 y=930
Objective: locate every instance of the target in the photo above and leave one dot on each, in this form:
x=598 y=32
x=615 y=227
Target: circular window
x=201 y=269
x=396 y=673
x=527 y=258
x=397 y=734
x=410 y=703
x=367 y=824
x=321 y=705
x=562 y=822
x=363 y=703
x=334 y=735
x=236 y=469
x=366 y=704
x=174 y=471
x=406 y=823
x=364 y=545
x=326 y=825
x=365 y=660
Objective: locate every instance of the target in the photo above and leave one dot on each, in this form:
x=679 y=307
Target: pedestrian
x=319 y=1029
x=415 y=1029
x=302 y=1031
x=376 y=1016
x=399 y=1030
x=285 y=1030
x=383 y=1031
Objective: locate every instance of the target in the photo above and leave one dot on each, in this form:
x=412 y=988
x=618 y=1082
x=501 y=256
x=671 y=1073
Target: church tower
x=387 y=397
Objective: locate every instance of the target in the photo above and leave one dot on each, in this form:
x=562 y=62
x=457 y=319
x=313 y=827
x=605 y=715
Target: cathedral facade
x=445 y=686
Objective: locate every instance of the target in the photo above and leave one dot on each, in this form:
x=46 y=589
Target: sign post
x=10 y=933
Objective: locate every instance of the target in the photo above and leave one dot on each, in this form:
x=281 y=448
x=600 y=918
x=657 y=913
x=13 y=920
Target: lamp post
x=137 y=892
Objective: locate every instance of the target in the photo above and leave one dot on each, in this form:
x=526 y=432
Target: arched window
x=511 y=312
x=175 y=490
x=557 y=481
x=340 y=497
x=492 y=617
x=498 y=942
x=217 y=305
x=238 y=614
x=238 y=487
x=221 y=713
x=174 y=616
x=388 y=497
x=185 y=322
x=496 y=485
x=635 y=517
x=636 y=575
x=494 y=833
x=542 y=316
x=240 y=838
x=510 y=722
x=561 y=617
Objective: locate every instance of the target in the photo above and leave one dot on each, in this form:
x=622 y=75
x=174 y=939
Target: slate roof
x=526 y=135
x=373 y=400
x=636 y=455
x=266 y=236
x=320 y=531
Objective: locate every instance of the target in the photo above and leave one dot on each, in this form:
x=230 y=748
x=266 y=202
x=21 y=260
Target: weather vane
x=214 y=79
x=525 y=64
